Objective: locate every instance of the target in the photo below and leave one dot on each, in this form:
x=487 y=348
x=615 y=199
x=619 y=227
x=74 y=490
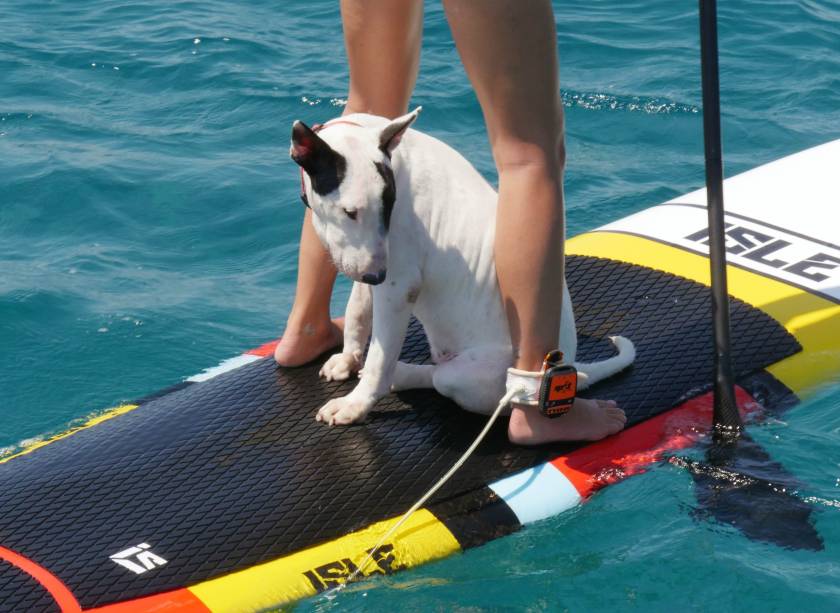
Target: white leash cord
x=502 y=404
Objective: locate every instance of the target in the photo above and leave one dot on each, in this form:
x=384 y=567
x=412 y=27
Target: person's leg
x=382 y=38
x=509 y=50
x=383 y=52
x=309 y=330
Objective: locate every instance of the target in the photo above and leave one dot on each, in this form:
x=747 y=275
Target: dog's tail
x=592 y=372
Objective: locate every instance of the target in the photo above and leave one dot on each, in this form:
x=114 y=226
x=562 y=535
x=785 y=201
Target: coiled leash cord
x=509 y=395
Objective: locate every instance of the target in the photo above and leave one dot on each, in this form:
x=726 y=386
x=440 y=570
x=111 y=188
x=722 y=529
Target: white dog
x=412 y=223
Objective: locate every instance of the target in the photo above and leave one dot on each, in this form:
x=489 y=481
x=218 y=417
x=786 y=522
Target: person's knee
x=546 y=155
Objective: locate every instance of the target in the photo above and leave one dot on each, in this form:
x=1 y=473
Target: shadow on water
x=740 y=485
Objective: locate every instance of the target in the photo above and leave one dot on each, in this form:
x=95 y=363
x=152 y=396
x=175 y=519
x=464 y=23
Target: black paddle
x=727 y=420
x=739 y=484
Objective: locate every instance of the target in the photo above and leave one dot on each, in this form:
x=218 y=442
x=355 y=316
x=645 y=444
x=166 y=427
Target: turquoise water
x=149 y=217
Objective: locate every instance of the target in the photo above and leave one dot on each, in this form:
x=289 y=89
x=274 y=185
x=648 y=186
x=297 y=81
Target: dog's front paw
x=340 y=367
x=342 y=411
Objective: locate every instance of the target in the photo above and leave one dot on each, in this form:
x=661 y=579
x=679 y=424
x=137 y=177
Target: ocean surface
x=149 y=222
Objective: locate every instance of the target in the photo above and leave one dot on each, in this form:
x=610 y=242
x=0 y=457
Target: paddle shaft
x=726 y=416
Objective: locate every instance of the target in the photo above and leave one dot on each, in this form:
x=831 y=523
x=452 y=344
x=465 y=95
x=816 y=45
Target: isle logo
x=138 y=559
x=335 y=573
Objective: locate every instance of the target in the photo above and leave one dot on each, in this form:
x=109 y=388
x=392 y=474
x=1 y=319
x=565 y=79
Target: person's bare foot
x=588 y=420
x=304 y=342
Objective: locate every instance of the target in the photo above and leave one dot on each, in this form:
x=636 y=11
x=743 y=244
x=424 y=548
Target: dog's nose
x=372 y=279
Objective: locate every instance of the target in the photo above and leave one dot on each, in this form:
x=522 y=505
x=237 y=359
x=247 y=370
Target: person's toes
x=615 y=413
x=606 y=403
x=615 y=418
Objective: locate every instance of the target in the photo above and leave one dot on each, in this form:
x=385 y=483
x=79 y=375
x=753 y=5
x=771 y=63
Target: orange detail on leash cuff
x=558 y=386
x=552 y=389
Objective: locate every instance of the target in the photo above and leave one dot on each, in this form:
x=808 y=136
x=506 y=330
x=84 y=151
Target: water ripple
x=592 y=101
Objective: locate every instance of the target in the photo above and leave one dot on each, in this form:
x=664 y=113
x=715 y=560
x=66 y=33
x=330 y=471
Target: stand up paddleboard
x=224 y=494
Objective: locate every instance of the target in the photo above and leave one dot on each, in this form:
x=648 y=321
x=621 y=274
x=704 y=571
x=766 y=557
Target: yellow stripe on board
x=814 y=321
x=421 y=539
x=98 y=419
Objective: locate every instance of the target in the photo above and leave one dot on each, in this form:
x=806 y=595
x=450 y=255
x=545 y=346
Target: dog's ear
x=322 y=163
x=309 y=150
x=391 y=136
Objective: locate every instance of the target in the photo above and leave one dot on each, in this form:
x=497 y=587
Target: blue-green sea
x=149 y=221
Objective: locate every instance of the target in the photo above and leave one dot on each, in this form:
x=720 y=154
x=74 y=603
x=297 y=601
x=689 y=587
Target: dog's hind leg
x=413 y=376
x=592 y=372
x=475 y=378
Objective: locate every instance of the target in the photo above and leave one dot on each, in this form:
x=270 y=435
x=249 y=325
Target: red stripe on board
x=60 y=592
x=181 y=601
x=264 y=350
x=628 y=453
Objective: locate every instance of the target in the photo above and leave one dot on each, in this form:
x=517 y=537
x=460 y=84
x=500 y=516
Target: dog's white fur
x=440 y=267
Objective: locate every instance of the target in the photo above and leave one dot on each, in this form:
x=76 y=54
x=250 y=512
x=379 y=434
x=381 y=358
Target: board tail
x=592 y=372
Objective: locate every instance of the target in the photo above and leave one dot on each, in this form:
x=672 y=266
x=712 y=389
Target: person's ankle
x=301 y=319
x=520 y=428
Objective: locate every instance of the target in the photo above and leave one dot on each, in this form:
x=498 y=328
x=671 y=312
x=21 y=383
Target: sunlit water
x=149 y=218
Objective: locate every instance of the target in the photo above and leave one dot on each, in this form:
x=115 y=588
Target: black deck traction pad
x=222 y=475
x=20 y=592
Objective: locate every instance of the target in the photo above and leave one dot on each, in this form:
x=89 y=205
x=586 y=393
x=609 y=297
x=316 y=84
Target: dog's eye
x=351 y=214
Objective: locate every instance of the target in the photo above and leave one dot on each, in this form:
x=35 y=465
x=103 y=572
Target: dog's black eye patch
x=328 y=173
x=389 y=192
x=351 y=214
